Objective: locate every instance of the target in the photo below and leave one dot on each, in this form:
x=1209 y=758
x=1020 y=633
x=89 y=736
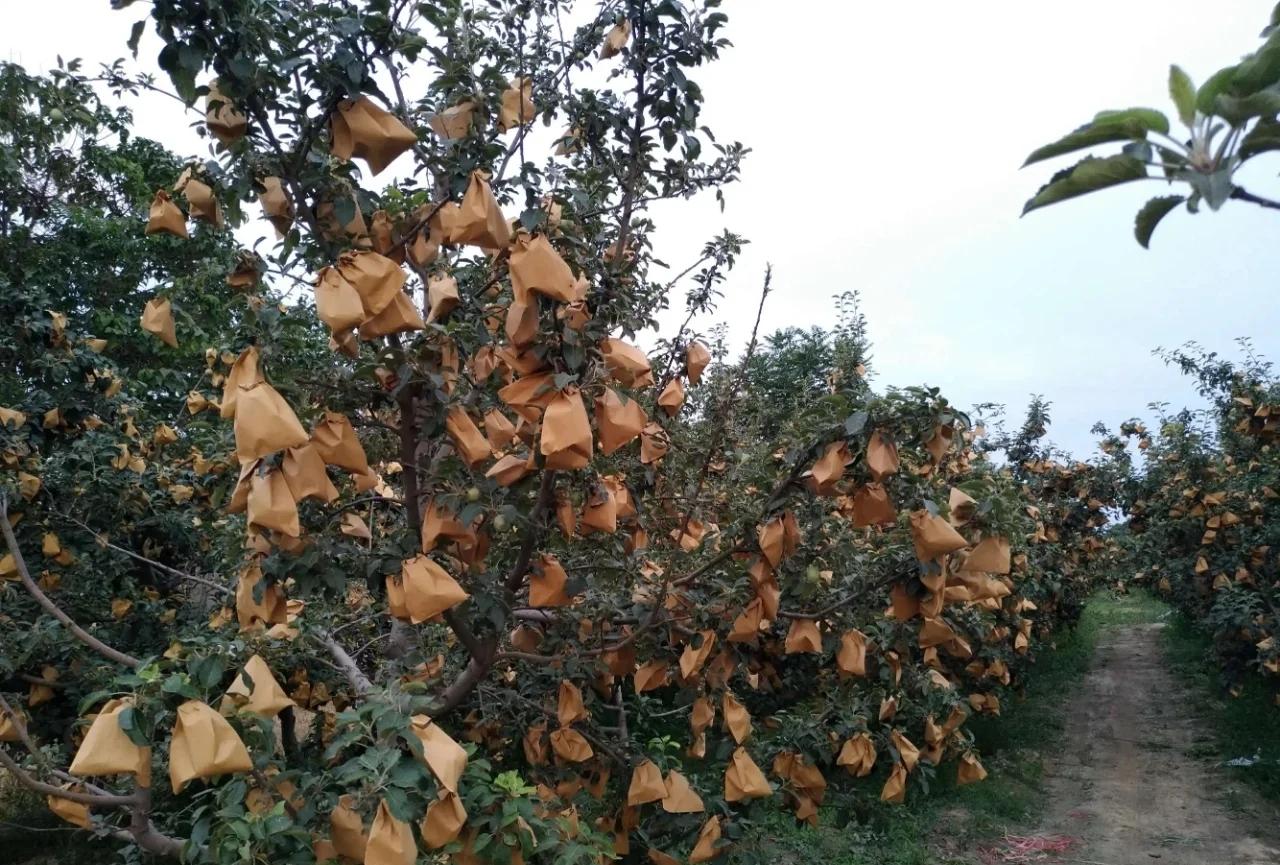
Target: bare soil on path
x=1132 y=784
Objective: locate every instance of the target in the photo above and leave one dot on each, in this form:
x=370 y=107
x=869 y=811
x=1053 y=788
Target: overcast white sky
x=887 y=139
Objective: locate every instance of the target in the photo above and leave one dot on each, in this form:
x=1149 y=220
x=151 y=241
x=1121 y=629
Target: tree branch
x=101 y=539
x=1242 y=194
x=144 y=834
x=91 y=799
x=355 y=676
x=533 y=534
x=460 y=688
x=50 y=607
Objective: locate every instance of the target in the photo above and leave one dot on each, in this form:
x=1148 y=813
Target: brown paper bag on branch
x=157 y=318
x=346 y=830
x=934 y=537
x=909 y=753
x=276 y=205
x=857 y=755
x=654 y=443
x=399 y=316
x=338 y=303
x=529 y=394
x=672 y=397
x=743 y=779
x=272 y=609
x=736 y=718
x=222 y=118
x=479 y=219
x=444 y=757
x=442 y=296
x=991 y=556
x=547 y=584
x=517 y=107
x=569 y=706
x=455 y=122
x=570 y=745
x=390 y=840
x=75 y=813
x=970 y=770
x=264 y=423
x=600 y=511
x=165 y=217
x=616 y=39
x=511 y=469
x=203 y=204
x=895 y=788
x=363 y=130
x=704 y=849
x=882 y=456
x=680 y=797
x=646 y=784
x=338 y=445
x=960 y=506
x=203 y=745
x=829 y=468
x=377 y=279
x=108 y=750
x=443 y=821
x=627 y=364
x=872 y=507
x=852 y=656
x=696 y=359
x=566 y=431
x=651 y=676
x=271 y=504
x=265 y=697
x=243 y=373
x=537 y=267
x=429 y=589
x=304 y=472
x=471 y=446
x=617 y=421
x=803 y=636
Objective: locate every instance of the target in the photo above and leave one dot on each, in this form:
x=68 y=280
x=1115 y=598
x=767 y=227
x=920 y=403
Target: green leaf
x=177 y=683
x=1150 y=215
x=1183 y=93
x=1208 y=93
x=135 y=33
x=1262 y=138
x=1274 y=23
x=92 y=700
x=1153 y=120
x=128 y=721
x=344 y=210
x=855 y=422
x=1238 y=110
x=1214 y=188
x=1259 y=70
x=533 y=218
x=1128 y=125
x=1088 y=175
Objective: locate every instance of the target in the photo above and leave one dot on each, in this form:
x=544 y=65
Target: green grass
x=937 y=829
x=1244 y=726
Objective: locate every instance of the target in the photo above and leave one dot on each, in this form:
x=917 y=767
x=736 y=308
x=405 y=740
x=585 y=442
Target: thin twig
x=101 y=539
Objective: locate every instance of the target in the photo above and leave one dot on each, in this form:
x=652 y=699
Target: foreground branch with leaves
x=1230 y=119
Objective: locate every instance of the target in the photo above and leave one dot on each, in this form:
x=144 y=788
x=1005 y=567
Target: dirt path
x=1129 y=785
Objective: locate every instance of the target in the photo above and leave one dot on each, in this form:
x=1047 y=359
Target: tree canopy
x=385 y=536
